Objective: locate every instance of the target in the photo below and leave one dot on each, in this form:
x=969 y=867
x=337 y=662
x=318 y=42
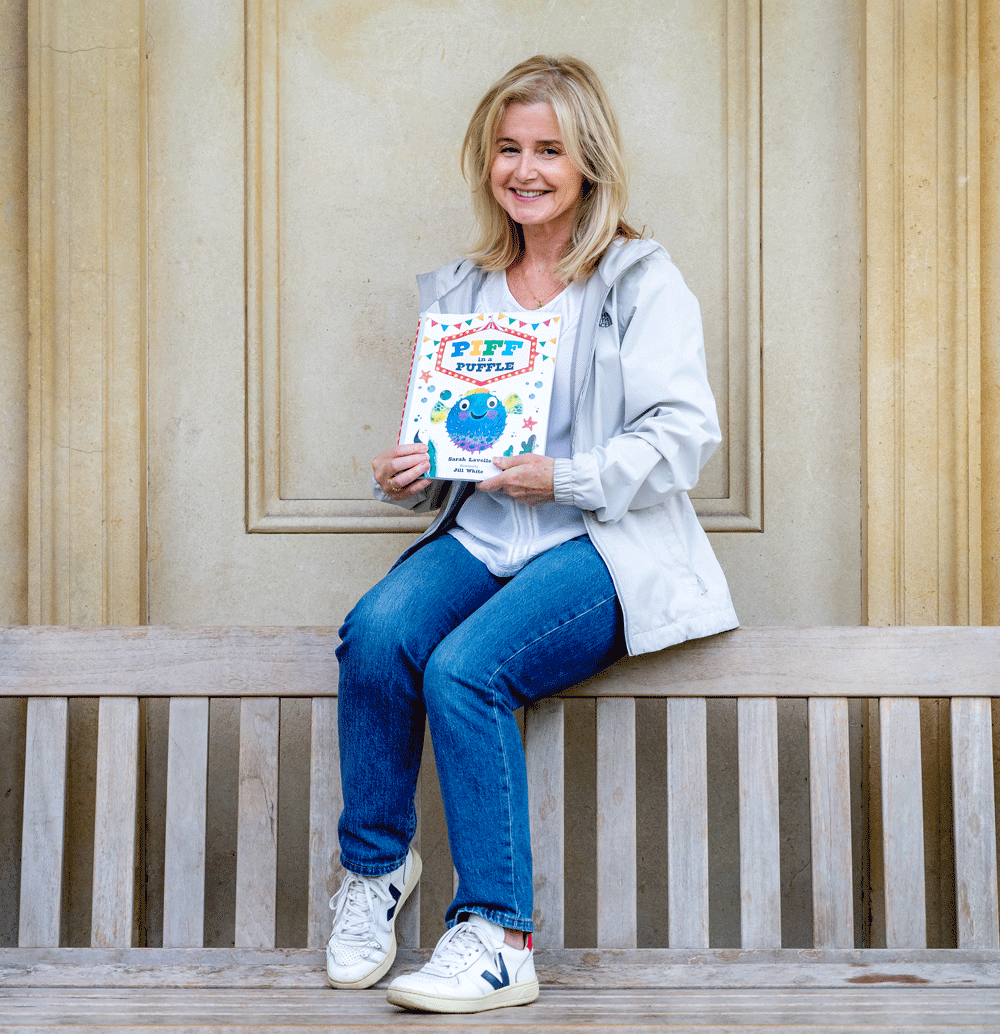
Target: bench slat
x=830 y=818
x=902 y=824
x=616 y=824
x=44 y=822
x=687 y=823
x=187 y=801
x=813 y=662
x=153 y=661
x=257 y=831
x=760 y=843
x=975 y=823
x=544 y=743
x=115 y=822
x=326 y=801
x=231 y=662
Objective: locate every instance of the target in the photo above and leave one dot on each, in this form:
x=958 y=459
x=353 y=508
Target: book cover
x=480 y=386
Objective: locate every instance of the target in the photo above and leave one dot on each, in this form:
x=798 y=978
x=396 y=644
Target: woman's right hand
x=398 y=470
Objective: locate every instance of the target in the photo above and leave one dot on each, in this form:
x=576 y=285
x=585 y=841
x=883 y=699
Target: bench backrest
x=757 y=666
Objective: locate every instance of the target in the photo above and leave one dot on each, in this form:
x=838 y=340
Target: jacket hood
x=621 y=254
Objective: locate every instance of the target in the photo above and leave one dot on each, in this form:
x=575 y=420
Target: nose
x=526 y=166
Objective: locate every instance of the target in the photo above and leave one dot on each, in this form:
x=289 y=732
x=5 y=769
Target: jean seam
x=551 y=631
x=510 y=810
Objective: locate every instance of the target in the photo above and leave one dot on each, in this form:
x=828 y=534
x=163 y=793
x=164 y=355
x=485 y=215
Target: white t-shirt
x=502 y=533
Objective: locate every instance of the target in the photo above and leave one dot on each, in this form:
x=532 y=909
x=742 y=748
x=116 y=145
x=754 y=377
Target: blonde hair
x=592 y=140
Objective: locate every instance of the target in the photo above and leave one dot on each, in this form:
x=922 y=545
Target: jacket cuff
x=562 y=481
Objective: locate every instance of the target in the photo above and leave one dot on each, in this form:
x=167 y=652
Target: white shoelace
x=354 y=908
x=462 y=943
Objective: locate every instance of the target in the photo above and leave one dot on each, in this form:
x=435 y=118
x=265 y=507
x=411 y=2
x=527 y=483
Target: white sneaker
x=471 y=970
x=363 y=943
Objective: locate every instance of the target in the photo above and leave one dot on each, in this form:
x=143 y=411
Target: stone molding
x=989 y=114
x=923 y=548
x=86 y=315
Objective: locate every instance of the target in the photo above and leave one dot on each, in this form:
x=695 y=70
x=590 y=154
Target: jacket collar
x=454 y=287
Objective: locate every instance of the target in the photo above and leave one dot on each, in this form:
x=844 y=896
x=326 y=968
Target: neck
x=543 y=248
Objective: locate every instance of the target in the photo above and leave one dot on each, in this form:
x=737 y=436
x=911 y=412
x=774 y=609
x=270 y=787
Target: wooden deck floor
x=894 y=1010
x=143 y=991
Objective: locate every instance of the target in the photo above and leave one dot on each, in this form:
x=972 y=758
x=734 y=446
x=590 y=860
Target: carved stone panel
x=355 y=116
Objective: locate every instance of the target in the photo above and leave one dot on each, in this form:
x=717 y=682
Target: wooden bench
x=682 y=985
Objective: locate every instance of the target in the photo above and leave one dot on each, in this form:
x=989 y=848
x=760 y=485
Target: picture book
x=480 y=386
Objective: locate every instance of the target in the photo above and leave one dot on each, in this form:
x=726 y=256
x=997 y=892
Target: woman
x=541 y=575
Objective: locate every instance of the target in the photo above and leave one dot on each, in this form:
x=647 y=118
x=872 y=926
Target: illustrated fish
x=477 y=419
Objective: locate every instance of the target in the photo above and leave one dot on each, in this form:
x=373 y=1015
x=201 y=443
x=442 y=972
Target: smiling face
x=532 y=176
x=476 y=421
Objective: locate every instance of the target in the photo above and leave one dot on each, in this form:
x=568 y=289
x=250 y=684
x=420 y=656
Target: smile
x=528 y=193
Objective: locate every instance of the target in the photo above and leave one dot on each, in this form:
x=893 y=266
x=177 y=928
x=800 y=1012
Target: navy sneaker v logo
x=395 y=900
x=491 y=979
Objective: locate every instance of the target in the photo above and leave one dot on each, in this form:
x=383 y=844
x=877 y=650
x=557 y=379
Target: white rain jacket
x=644 y=425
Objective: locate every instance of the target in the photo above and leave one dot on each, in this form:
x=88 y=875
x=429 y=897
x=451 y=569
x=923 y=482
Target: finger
x=505 y=462
x=383 y=464
x=415 y=487
x=400 y=480
x=406 y=461
x=405 y=477
x=403 y=474
x=409 y=449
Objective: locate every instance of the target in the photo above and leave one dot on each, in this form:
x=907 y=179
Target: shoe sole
x=383 y=967
x=417 y=1001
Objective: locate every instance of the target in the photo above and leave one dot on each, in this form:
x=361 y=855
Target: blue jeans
x=441 y=637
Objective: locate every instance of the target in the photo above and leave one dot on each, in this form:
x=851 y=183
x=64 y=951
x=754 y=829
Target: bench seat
x=612 y=985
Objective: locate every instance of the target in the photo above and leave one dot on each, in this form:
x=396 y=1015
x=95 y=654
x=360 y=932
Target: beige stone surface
x=806 y=566
x=923 y=509
x=13 y=312
x=85 y=312
x=195 y=297
x=989 y=115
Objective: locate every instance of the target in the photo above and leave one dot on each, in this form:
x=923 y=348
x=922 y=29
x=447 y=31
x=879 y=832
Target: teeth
x=529 y=193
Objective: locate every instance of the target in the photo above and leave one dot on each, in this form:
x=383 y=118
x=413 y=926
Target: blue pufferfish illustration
x=477 y=419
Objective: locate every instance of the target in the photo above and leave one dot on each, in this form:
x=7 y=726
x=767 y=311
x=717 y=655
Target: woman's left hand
x=528 y=478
